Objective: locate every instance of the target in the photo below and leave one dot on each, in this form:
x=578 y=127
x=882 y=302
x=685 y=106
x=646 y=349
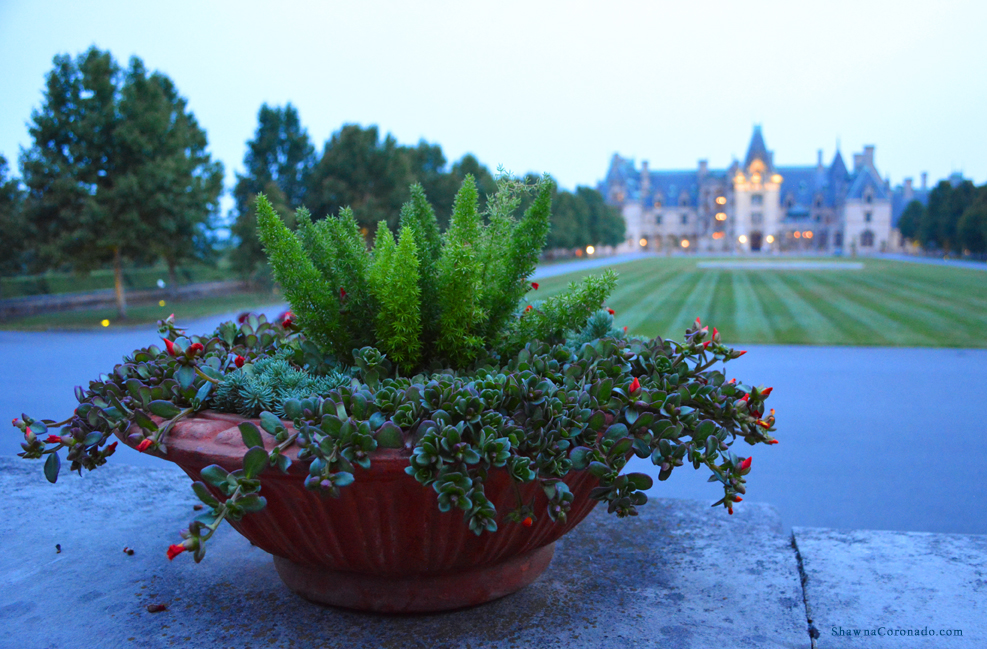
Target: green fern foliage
x=427 y=300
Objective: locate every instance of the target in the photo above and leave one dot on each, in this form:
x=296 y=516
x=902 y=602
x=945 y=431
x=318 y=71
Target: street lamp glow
x=721 y=216
x=685 y=243
x=105 y=323
x=643 y=242
x=721 y=200
x=590 y=250
x=807 y=234
x=770 y=238
x=742 y=238
x=796 y=234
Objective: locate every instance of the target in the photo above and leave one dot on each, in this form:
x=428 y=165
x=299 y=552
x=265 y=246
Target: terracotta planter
x=383 y=545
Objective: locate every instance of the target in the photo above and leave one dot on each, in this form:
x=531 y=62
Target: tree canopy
x=954 y=220
x=14 y=228
x=118 y=170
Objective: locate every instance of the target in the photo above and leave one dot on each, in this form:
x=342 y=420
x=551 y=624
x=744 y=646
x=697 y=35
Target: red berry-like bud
x=528 y=308
x=745 y=398
x=625 y=329
x=170 y=346
x=143 y=446
x=766 y=392
x=195 y=348
x=635 y=385
x=342 y=293
x=239 y=361
x=611 y=312
x=175 y=550
x=730 y=511
x=110 y=449
x=746 y=464
x=53 y=439
x=737 y=499
x=527 y=522
x=534 y=285
x=741 y=353
x=706 y=344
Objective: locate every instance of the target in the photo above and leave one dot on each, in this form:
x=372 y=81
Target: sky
x=555 y=87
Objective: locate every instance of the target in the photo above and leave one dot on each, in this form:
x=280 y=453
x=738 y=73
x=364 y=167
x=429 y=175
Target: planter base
x=415 y=593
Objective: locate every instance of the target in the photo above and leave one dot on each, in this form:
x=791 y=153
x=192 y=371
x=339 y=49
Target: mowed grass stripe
x=810 y=324
x=887 y=303
x=867 y=309
x=929 y=313
x=751 y=324
x=663 y=306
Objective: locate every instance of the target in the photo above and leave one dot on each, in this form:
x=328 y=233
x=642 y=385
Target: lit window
x=807 y=234
x=643 y=242
x=717 y=235
x=742 y=238
x=721 y=216
x=721 y=200
x=797 y=234
x=770 y=238
x=685 y=243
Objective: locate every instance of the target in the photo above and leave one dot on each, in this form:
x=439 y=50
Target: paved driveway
x=870 y=437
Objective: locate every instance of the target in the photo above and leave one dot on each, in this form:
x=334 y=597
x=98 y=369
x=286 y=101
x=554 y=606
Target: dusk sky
x=549 y=86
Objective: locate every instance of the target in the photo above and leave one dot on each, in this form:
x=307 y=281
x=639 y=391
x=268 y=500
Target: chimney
x=909 y=190
x=819 y=162
x=925 y=178
x=869 y=155
x=858 y=161
x=645 y=179
x=703 y=168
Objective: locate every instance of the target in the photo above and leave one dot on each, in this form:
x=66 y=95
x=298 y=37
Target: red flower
x=195 y=348
x=170 y=346
x=527 y=522
x=625 y=329
x=239 y=361
x=698 y=324
x=745 y=398
x=534 y=285
x=527 y=308
x=53 y=439
x=772 y=442
x=635 y=385
x=287 y=323
x=732 y=381
x=175 y=550
x=765 y=392
x=145 y=443
x=611 y=311
x=730 y=510
x=737 y=499
x=739 y=354
x=706 y=344
x=746 y=464
x=342 y=293
x=110 y=449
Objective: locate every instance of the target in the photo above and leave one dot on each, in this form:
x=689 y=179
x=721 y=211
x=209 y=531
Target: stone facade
x=754 y=206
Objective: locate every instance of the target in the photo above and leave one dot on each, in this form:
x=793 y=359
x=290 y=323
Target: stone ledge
x=681 y=575
x=860 y=582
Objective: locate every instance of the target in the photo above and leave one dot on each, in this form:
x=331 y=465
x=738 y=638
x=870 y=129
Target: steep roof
x=866 y=178
x=757 y=150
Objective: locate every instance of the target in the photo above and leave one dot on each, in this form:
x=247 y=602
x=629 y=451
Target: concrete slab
x=680 y=575
x=864 y=588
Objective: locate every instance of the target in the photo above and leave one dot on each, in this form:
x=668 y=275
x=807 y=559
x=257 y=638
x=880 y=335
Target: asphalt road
x=870 y=438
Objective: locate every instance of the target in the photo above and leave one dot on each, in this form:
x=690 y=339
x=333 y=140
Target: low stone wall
x=34 y=304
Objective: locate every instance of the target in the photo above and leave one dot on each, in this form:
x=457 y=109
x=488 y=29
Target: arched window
x=867 y=239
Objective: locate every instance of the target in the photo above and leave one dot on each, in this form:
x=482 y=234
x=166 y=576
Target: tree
x=946 y=205
x=359 y=170
x=170 y=180
x=278 y=163
x=911 y=220
x=117 y=171
x=14 y=229
x=972 y=227
x=606 y=223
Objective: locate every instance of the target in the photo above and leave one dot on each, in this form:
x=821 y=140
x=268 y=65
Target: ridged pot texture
x=385 y=523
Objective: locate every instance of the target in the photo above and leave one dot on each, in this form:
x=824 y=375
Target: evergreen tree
x=14 y=229
x=278 y=163
x=117 y=171
x=911 y=220
x=170 y=180
x=972 y=227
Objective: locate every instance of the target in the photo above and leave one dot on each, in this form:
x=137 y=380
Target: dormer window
x=818 y=201
x=657 y=202
x=789 y=201
x=684 y=200
x=869 y=198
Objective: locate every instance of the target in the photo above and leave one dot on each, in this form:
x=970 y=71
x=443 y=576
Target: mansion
x=754 y=206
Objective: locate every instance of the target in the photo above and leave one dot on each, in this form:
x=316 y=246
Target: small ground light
x=685 y=243
x=590 y=250
x=797 y=234
x=770 y=238
x=105 y=323
x=161 y=302
x=721 y=200
x=742 y=238
x=807 y=235
x=721 y=216
x=643 y=242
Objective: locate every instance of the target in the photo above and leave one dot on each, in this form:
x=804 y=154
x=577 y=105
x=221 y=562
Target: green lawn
x=887 y=303
x=185 y=311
